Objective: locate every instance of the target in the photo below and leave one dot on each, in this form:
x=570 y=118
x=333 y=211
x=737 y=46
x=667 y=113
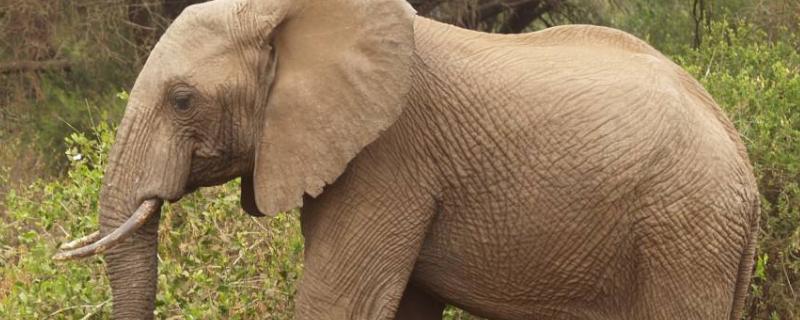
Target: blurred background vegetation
x=65 y=68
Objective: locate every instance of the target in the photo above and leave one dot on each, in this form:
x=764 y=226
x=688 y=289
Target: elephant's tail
x=746 y=264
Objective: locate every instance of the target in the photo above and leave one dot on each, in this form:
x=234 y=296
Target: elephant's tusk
x=80 y=242
x=137 y=219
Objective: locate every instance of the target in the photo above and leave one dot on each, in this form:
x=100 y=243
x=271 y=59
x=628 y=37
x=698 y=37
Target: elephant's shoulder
x=589 y=36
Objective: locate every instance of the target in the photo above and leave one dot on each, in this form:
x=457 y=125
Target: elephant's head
x=281 y=93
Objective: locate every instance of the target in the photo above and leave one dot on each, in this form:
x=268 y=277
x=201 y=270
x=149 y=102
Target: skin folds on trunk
x=132 y=265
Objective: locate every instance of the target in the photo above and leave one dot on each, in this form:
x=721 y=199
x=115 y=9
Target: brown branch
x=698 y=14
x=488 y=10
x=525 y=14
x=27 y=66
x=492 y=9
x=425 y=7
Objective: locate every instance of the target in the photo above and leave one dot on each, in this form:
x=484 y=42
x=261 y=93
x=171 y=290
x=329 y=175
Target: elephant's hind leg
x=690 y=270
x=418 y=305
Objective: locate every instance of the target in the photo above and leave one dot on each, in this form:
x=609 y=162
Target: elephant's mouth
x=93 y=244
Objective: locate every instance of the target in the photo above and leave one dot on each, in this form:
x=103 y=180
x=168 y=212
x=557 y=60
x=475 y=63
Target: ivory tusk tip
x=80 y=242
x=95 y=244
x=60 y=256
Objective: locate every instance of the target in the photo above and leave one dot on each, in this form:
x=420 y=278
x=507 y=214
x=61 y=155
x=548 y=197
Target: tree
x=506 y=16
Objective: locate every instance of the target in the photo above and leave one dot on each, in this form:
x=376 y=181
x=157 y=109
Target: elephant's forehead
x=204 y=61
x=198 y=47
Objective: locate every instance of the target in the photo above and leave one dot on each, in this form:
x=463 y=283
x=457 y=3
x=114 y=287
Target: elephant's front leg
x=361 y=245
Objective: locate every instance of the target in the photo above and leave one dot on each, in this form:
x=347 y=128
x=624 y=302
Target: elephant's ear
x=343 y=71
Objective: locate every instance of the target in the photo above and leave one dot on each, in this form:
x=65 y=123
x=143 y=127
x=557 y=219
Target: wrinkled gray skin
x=572 y=173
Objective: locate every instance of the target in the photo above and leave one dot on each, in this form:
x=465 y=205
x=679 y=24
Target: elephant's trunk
x=132 y=265
x=129 y=226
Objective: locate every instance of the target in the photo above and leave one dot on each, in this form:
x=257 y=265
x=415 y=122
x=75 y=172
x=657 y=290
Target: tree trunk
x=27 y=66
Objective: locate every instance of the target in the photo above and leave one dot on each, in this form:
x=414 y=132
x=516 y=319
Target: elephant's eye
x=182 y=100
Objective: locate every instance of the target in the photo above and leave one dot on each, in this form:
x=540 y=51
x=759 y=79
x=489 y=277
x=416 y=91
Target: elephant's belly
x=524 y=264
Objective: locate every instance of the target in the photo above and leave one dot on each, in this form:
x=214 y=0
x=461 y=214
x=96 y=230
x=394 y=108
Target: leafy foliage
x=758 y=84
x=93 y=58
x=215 y=260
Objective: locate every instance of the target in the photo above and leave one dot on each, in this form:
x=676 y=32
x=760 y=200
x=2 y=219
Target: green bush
x=216 y=262
x=757 y=82
x=94 y=54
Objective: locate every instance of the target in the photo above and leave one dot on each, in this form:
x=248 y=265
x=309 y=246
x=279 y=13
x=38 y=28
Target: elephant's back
x=584 y=99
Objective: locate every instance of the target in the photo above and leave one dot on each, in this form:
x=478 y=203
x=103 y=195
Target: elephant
x=569 y=173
